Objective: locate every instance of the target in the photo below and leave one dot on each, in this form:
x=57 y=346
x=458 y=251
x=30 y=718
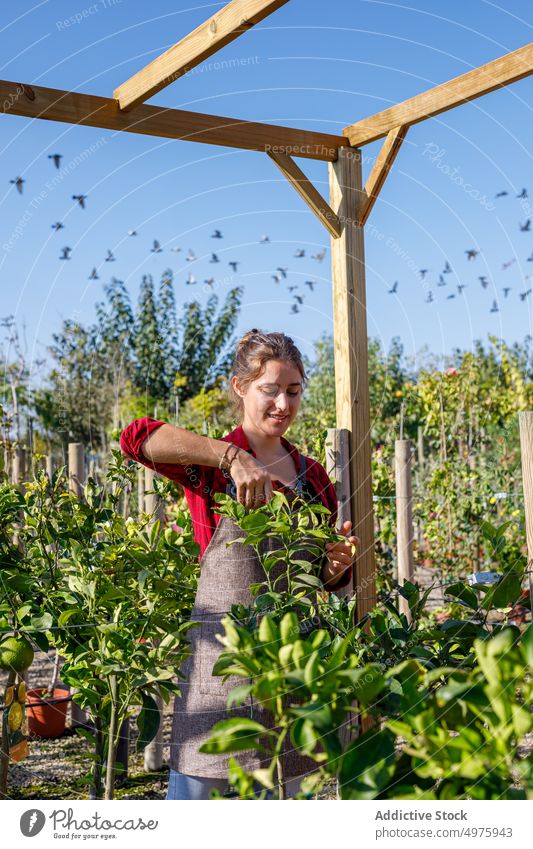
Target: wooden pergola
x=350 y=202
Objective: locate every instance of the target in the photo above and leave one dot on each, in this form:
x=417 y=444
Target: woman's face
x=271 y=401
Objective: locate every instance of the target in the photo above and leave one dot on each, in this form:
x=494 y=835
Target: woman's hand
x=340 y=557
x=252 y=480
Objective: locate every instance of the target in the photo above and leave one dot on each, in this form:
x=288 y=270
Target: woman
x=265 y=389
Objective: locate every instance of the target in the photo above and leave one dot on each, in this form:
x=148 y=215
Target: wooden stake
x=338 y=469
x=404 y=517
x=525 y=421
x=76 y=468
x=140 y=490
x=351 y=362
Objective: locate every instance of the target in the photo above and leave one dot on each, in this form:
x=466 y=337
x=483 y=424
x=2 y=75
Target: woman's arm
x=168 y=444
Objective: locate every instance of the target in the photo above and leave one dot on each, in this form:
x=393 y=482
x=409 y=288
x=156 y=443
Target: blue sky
x=310 y=65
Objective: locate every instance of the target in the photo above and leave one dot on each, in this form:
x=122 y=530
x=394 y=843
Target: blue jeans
x=194 y=787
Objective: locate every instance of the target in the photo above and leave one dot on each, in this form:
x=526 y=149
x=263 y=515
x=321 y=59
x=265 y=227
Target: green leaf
x=234 y=735
x=148 y=721
x=368 y=765
x=43 y=622
x=464 y=593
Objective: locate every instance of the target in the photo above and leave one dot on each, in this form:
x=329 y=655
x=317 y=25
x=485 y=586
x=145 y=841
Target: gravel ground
x=56 y=768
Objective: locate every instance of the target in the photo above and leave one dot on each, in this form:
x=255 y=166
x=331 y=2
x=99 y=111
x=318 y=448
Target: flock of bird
x=280 y=274
x=471 y=254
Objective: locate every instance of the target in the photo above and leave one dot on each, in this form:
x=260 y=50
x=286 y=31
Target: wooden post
x=351 y=360
x=49 y=466
x=338 y=468
x=76 y=468
x=76 y=482
x=404 y=517
x=19 y=466
x=525 y=421
x=153 y=752
x=140 y=490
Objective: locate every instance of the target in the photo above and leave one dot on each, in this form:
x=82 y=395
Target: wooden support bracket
x=308 y=192
x=379 y=173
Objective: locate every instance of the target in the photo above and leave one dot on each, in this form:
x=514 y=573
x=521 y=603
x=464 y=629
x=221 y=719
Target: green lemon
x=16 y=654
x=15 y=716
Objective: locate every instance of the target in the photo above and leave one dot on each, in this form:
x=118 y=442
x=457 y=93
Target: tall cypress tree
x=150 y=355
x=168 y=326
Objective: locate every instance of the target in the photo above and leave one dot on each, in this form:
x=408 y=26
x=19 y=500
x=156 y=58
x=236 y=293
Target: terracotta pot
x=47 y=717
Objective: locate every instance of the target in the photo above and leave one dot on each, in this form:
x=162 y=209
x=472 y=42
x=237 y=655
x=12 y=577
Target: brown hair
x=252 y=353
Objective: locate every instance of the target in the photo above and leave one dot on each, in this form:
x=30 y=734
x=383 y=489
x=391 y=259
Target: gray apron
x=225 y=578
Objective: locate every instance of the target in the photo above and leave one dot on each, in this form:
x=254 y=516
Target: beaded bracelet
x=225 y=463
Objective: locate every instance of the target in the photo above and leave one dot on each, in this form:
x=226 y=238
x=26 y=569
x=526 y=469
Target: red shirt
x=201 y=482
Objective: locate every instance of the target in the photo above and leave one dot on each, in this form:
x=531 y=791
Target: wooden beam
x=222 y=28
x=351 y=362
x=500 y=72
x=308 y=192
x=380 y=170
x=90 y=111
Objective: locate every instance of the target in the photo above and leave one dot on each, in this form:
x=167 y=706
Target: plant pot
x=47 y=717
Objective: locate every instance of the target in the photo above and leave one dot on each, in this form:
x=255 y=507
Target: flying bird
x=294 y=308
x=210 y=282
x=19 y=183
x=449 y=297
x=57 y=157
x=525 y=228
x=110 y=257
x=57 y=226
x=176 y=250
x=471 y=253
x=310 y=283
x=156 y=249
x=283 y=272
x=429 y=298
x=216 y=235
x=522 y=195
x=508 y=264
x=530 y=258
x=292 y=288
x=132 y=232
x=214 y=258
x=394 y=288
x=423 y=272
x=299 y=299
x=442 y=281
x=233 y=264
x=264 y=239
x=447 y=268
x=523 y=295
x=276 y=278
x=484 y=282
x=460 y=287
x=65 y=254
x=506 y=291
x=319 y=256
x=191 y=256
x=191 y=279
x=299 y=253
x=494 y=307
x=81 y=200
x=501 y=194
x=94 y=275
